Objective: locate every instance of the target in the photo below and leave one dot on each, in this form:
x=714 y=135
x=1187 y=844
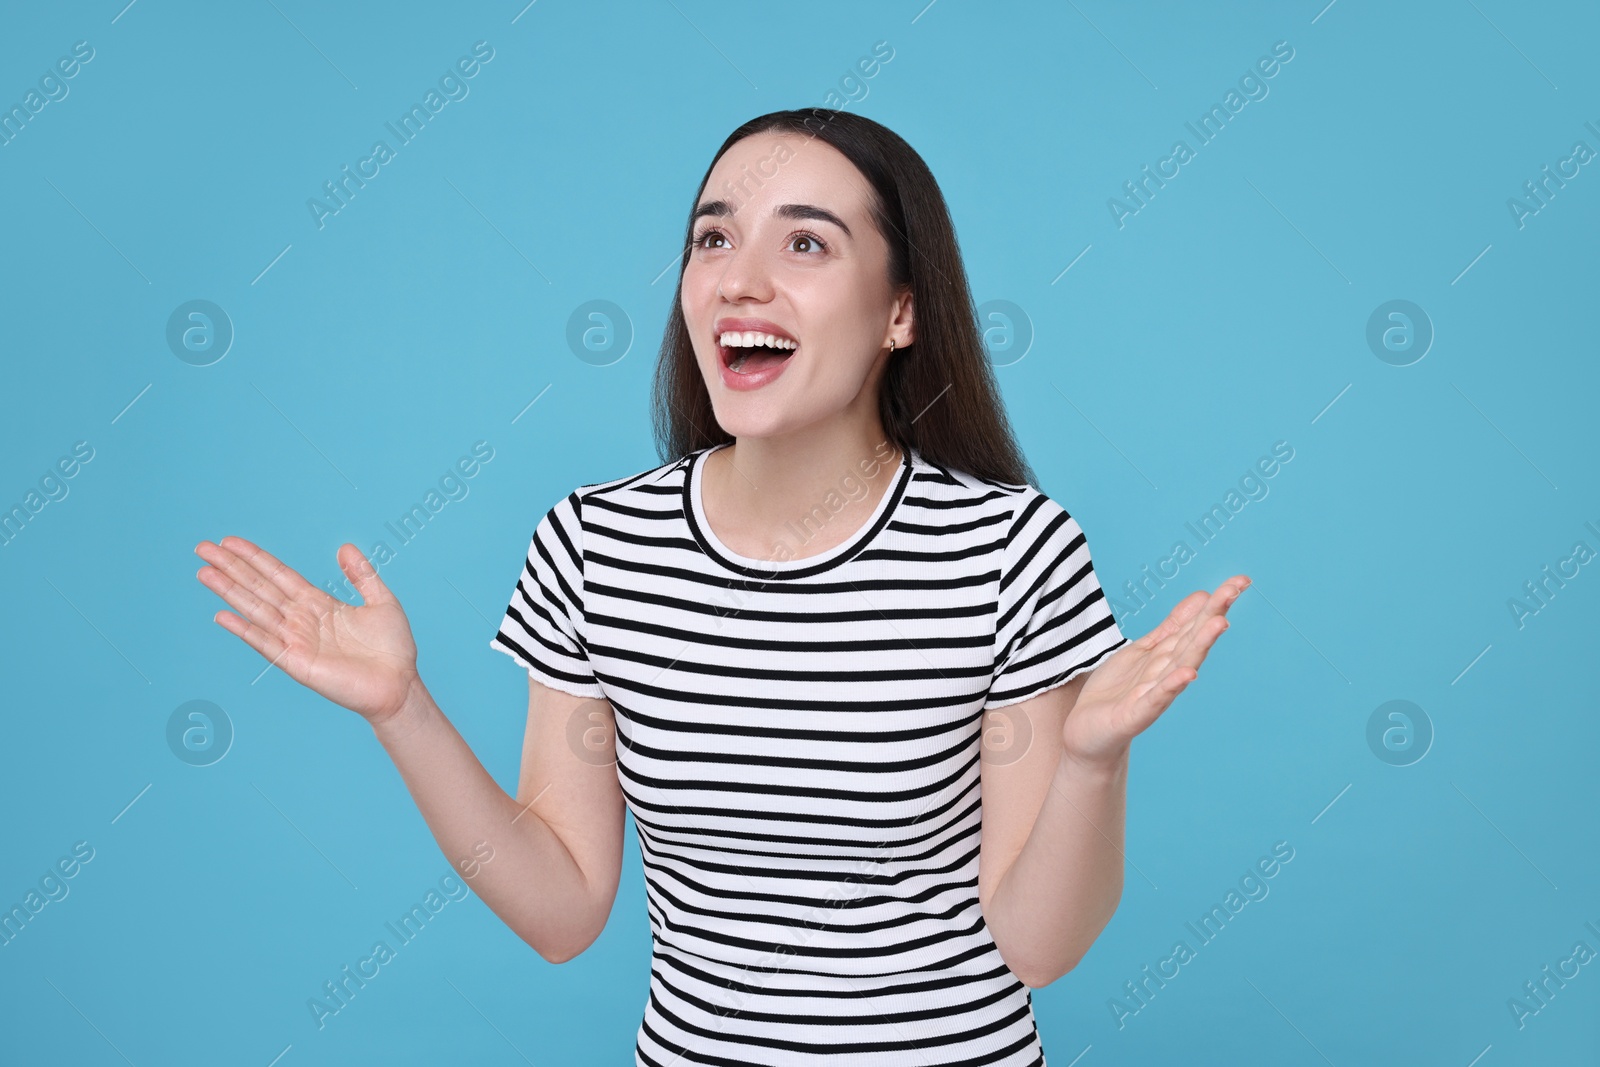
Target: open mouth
x=751 y=352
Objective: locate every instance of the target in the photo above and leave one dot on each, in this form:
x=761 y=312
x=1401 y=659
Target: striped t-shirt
x=798 y=744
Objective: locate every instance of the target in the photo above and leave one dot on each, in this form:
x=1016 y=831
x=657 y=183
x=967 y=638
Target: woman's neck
x=770 y=500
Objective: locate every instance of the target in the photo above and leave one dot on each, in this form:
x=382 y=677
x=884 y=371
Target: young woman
x=850 y=670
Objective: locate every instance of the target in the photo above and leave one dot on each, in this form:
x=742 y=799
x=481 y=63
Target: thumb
x=363 y=575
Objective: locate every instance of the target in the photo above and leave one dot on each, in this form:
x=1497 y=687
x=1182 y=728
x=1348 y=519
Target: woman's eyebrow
x=722 y=208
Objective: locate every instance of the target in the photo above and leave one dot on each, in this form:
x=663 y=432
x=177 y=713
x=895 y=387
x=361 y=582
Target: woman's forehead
x=763 y=175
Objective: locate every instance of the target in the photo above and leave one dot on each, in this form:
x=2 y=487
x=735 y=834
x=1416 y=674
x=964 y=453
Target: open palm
x=1139 y=681
x=362 y=658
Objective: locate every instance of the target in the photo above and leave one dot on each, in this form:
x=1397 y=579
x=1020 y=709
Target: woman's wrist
x=413 y=711
x=1106 y=769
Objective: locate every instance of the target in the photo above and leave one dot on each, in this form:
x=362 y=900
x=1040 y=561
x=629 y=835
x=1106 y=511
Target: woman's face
x=787 y=247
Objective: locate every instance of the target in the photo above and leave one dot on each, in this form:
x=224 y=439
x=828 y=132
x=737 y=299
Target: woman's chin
x=762 y=413
x=747 y=425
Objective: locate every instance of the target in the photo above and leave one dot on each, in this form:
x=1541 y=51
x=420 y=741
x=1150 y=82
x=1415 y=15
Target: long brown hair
x=939 y=393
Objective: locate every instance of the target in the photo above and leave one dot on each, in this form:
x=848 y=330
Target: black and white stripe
x=798 y=745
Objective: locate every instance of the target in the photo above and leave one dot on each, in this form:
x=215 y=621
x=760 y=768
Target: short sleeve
x=540 y=628
x=1052 y=619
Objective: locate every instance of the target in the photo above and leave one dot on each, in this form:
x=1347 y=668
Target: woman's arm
x=546 y=862
x=554 y=852
x=1050 y=870
x=1050 y=867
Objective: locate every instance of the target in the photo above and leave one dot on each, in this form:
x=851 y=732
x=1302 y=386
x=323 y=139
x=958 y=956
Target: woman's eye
x=808 y=243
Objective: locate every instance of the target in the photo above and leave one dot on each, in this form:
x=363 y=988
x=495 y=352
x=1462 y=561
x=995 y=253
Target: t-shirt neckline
x=694 y=512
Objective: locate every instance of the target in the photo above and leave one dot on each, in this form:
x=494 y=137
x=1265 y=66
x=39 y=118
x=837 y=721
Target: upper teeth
x=750 y=339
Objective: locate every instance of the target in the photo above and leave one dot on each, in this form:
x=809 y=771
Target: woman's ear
x=902 y=327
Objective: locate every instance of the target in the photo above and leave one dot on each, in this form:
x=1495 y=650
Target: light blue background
x=1228 y=314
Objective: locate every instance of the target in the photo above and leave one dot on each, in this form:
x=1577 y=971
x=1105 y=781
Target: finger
x=1188 y=644
x=1173 y=634
x=1175 y=622
x=1189 y=616
x=241 y=573
x=1225 y=594
x=1156 y=696
x=1174 y=641
x=1163 y=658
x=264 y=642
x=280 y=574
x=1214 y=606
x=1175 y=682
x=1193 y=651
x=238 y=596
x=363 y=575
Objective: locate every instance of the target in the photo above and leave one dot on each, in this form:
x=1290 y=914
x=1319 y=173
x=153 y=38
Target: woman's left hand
x=1137 y=682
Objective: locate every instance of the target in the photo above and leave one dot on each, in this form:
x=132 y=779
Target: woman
x=836 y=617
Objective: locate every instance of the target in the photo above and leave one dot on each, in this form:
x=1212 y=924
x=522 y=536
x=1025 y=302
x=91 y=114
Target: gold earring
x=891 y=346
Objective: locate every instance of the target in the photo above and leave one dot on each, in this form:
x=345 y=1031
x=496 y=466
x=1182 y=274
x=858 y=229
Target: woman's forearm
x=531 y=880
x=1066 y=882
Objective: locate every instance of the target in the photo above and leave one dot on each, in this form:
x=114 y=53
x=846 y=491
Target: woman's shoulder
x=640 y=487
x=952 y=483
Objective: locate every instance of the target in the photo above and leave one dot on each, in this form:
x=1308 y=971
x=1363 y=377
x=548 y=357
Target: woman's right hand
x=362 y=658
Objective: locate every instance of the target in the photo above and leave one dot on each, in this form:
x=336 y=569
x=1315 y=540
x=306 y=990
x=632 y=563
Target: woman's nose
x=744 y=277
